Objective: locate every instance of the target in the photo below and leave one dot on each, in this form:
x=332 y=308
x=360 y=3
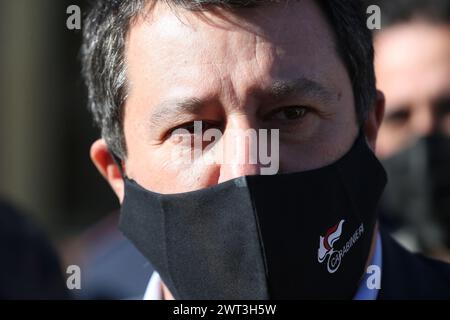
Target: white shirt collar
x=154 y=288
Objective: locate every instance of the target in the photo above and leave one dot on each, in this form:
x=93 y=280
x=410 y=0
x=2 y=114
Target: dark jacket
x=408 y=276
x=29 y=265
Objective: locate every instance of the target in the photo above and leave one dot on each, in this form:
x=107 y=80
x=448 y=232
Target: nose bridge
x=240 y=148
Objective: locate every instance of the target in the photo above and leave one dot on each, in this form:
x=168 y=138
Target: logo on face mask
x=326 y=249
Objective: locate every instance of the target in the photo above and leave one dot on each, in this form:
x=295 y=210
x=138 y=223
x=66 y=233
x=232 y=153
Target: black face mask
x=301 y=235
x=418 y=194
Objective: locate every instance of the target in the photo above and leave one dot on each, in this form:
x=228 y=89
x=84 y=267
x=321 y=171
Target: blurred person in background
x=29 y=265
x=412 y=63
x=112 y=267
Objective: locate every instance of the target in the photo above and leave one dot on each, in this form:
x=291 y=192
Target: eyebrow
x=303 y=87
x=173 y=110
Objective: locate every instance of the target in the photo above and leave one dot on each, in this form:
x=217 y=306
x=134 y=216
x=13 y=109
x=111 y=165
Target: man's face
x=413 y=71
x=272 y=67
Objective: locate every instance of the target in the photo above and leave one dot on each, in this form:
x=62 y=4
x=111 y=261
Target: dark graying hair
x=104 y=70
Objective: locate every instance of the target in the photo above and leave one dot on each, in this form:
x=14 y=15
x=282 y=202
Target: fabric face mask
x=304 y=235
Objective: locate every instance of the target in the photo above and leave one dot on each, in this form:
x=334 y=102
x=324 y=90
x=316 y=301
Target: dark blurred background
x=55 y=208
x=45 y=128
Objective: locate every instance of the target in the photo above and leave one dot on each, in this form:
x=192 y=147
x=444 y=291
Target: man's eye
x=193 y=127
x=289 y=113
x=189 y=127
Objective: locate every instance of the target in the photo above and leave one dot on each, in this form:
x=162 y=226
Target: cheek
x=326 y=142
x=163 y=170
x=325 y=147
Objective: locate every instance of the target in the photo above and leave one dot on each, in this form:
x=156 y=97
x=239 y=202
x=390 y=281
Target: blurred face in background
x=413 y=71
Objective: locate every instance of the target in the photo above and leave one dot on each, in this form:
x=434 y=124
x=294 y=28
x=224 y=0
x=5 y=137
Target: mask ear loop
x=118 y=162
